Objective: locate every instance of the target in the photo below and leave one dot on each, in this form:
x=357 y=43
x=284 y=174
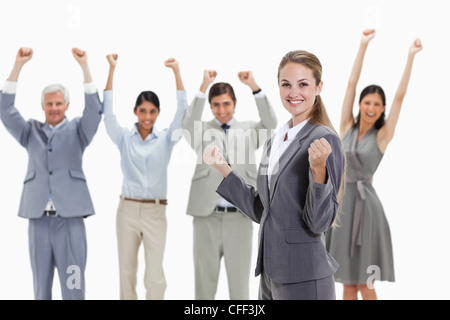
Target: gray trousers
x=228 y=235
x=61 y=243
x=320 y=289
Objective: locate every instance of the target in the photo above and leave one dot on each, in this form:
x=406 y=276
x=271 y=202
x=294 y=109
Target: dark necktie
x=225 y=127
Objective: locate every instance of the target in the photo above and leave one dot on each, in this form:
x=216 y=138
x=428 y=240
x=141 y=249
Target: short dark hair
x=221 y=88
x=369 y=90
x=148 y=96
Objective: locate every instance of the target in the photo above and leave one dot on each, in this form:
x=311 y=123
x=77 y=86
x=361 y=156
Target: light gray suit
x=223 y=234
x=293 y=215
x=55 y=168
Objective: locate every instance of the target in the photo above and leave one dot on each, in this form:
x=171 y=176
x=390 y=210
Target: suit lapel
x=295 y=146
x=49 y=132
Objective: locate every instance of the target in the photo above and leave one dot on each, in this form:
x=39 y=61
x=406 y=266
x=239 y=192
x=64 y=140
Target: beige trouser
x=227 y=235
x=141 y=222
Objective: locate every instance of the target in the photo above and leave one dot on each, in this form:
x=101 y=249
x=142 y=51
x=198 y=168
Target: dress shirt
x=144 y=163
x=280 y=145
x=222 y=202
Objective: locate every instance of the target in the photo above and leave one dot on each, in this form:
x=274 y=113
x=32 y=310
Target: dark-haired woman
x=145 y=155
x=361 y=243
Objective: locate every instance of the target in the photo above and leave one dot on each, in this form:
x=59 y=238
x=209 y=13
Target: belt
x=160 y=201
x=226 y=209
x=358 y=212
x=50 y=213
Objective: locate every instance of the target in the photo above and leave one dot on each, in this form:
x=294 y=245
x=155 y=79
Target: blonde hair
x=318 y=114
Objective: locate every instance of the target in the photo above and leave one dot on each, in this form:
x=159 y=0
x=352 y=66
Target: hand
x=172 y=63
x=246 y=77
x=318 y=153
x=209 y=76
x=213 y=157
x=24 y=55
x=368 y=35
x=80 y=56
x=112 y=59
x=415 y=47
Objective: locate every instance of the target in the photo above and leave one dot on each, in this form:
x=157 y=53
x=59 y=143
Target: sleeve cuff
x=259 y=95
x=320 y=190
x=201 y=95
x=90 y=88
x=10 y=87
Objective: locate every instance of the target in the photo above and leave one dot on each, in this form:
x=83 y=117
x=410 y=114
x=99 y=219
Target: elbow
x=320 y=219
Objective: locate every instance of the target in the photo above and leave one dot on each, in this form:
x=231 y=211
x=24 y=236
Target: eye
x=285 y=84
x=303 y=84
x=153 y=111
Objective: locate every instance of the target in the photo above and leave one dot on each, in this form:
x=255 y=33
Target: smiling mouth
x=371 y=114
x=295 y=102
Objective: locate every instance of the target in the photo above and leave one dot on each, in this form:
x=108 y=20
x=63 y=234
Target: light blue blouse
x=144 y=163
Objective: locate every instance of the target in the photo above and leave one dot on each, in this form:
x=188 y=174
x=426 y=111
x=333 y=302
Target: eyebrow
x=304 y=79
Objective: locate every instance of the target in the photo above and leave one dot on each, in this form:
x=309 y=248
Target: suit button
x=50 y=150
x=50 y=173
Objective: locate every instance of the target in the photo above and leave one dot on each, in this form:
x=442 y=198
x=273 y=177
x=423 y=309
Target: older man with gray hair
x=55 y=196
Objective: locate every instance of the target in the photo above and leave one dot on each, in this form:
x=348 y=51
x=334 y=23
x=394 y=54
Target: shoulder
x=321 y=131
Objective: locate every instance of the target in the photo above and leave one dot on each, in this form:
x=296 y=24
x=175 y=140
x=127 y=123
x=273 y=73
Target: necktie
x=225 y=127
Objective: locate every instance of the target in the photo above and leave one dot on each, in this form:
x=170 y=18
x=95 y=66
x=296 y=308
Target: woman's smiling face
x=298 y=90
x=371 y=107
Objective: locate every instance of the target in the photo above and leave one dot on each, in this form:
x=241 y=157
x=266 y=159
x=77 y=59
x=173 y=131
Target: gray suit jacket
x=295 y=212
x=54 y=159
x=238 y=146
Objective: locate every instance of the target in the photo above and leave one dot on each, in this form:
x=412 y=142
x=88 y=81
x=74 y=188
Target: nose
x=294 y=92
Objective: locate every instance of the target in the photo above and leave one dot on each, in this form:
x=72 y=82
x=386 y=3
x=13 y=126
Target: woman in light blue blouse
x=145 y=155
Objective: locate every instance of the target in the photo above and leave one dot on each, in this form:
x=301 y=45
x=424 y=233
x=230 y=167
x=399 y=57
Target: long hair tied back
x=318 y=113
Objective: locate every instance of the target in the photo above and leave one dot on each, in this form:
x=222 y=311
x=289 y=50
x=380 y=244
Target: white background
x=230 y=36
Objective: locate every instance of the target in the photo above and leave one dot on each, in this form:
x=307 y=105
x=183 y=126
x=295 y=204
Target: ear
x=67 y=106
x=319 y=88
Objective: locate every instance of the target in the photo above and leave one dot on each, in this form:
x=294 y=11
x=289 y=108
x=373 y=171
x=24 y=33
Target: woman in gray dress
x=361 y=242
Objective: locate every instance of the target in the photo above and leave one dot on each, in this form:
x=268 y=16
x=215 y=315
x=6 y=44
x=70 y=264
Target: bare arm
x=347 y=119
x=112 y=60
x=386 y=133
x=208 y=77
x=81 y=57
x=175 y=66
x=246 y=77
x=23 y=56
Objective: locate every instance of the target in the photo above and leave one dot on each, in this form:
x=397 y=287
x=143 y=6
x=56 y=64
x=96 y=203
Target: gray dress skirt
x=361 y=240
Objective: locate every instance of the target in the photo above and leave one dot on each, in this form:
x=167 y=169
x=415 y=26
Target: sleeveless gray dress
x=361 y=241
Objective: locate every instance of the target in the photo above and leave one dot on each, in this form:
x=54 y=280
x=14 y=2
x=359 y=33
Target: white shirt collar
x=58 y=125
x=220 y=123
x=290 y=131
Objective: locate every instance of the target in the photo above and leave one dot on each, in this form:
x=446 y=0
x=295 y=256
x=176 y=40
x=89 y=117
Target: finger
x=314 y=147
x=325 y=144
x=418 y=43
